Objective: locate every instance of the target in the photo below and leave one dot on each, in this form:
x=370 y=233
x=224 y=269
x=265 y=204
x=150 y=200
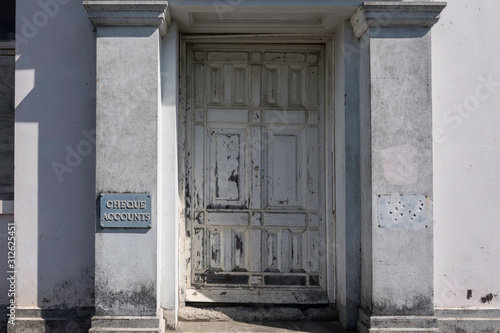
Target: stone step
x=256 y=314
x=128 y=322
x=129 y=330
x=267 y=327
x=105 y=324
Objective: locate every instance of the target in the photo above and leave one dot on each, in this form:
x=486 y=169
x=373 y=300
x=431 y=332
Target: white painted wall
x=467 y=153
x=55 y=112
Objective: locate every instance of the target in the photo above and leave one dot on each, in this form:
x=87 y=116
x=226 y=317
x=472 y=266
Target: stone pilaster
x=396 y=165
x=128 y=102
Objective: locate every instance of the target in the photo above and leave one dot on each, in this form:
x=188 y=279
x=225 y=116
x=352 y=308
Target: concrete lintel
x=395 y=14
x=263 y=17
x=129 y=13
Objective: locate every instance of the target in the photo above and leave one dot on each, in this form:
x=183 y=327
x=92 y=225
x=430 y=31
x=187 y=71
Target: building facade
x=338 y=152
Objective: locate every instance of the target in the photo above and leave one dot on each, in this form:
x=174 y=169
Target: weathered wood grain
x=254 y=163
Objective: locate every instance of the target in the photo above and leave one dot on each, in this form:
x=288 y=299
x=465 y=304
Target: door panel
x=226 y=168
x=255 y=219
x=285 y=168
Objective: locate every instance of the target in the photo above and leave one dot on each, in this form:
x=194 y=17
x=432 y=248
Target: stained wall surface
x=55 y=154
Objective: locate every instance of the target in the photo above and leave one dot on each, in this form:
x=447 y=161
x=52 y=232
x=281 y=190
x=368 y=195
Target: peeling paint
x=234 y=178
x=248 y=161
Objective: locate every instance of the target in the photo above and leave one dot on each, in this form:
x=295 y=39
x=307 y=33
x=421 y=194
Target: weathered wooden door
x=254 y=169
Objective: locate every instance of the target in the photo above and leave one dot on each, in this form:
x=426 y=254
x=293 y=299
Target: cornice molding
x=129 y=13
x=395 y=14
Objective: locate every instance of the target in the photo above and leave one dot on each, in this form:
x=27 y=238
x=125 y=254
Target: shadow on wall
x=55 y=124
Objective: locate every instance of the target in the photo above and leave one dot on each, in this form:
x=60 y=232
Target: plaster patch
x=402 y=212
x=400 y=164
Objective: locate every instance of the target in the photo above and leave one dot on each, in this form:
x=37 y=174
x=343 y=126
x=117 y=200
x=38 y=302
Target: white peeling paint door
x=254 y=168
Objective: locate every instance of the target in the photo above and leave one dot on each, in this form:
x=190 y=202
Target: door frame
x=329 y=143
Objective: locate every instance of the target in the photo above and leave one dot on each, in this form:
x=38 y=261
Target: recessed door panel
x=254 y=165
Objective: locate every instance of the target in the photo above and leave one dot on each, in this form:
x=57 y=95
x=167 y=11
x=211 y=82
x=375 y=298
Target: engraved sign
x=125 y=210
x=403 y=212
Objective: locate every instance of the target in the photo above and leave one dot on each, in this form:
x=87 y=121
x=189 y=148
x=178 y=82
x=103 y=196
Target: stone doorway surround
x=278 y=102
x=383 y=155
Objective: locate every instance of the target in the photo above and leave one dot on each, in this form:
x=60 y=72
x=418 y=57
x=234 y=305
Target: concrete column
x=396 y=165
x=127 y=284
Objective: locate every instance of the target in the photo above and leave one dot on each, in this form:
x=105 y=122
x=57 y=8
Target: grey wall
x=127 y=162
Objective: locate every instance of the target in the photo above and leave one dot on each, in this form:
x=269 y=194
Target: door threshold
x=258 y=296
x=267 y=327
x=255 y=313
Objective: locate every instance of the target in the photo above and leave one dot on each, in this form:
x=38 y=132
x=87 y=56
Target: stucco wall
x=467 y=154
x=55 y=154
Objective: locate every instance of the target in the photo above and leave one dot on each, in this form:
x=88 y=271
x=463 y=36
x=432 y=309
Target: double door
x=255 y=177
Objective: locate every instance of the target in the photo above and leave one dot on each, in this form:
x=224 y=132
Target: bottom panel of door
x=258 y=295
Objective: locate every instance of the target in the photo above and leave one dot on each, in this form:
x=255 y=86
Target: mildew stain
x=141 y=298
x=488 y=298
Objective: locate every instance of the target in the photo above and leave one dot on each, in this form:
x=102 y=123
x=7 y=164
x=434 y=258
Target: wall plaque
x=125 y=210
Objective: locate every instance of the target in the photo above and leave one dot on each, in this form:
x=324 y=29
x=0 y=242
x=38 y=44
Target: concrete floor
x=271 y=327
